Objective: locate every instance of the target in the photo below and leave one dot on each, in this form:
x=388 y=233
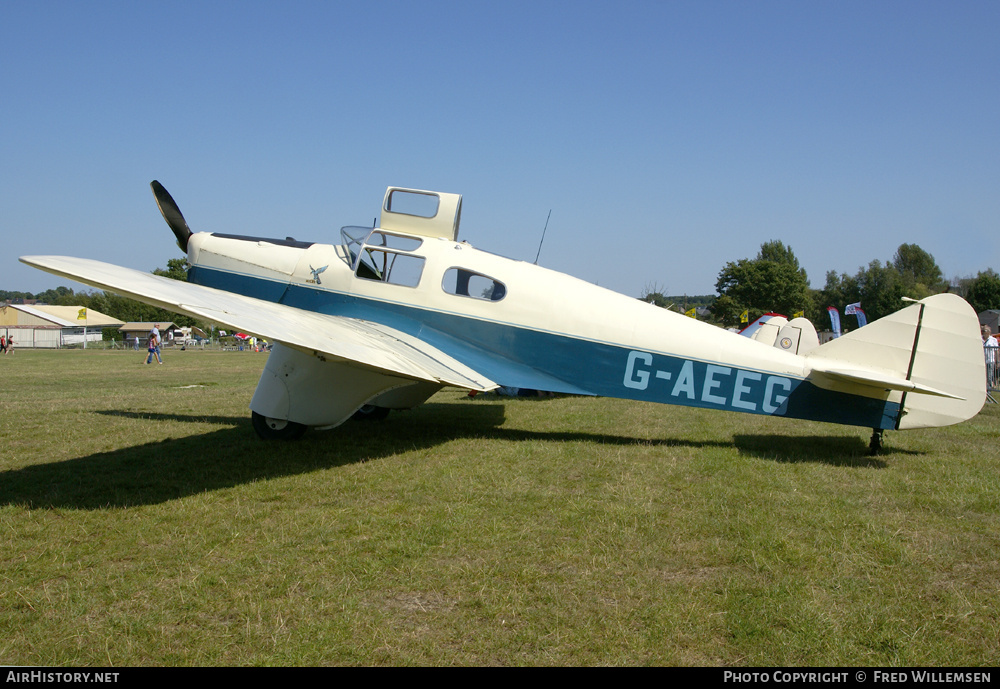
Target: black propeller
x=172 y=214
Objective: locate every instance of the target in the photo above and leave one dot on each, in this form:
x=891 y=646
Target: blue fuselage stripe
x=522 y=357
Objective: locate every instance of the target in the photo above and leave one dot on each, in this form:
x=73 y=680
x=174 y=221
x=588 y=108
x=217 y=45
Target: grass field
x=143 y=523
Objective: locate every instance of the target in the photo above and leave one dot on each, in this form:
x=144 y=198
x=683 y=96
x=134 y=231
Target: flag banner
x=82 y=314
x=862 y=318
x=834 y=320
x=852 y=308
x=690 y=313
x=745 y=316
x=798 y=314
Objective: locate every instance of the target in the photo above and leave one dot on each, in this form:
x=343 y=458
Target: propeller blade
x=172 y=214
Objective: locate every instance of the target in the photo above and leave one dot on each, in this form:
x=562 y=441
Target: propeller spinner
x=172 y=214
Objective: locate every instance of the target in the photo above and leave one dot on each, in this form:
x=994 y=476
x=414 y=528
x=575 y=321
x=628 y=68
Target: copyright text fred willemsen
x=895 y=677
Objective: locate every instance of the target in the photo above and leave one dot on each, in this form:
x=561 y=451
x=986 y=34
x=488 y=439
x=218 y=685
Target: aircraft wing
x=367 y=344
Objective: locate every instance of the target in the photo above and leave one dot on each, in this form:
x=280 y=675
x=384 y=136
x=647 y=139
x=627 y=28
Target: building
x=51 y=327
x=991 y=318
x=132 y=330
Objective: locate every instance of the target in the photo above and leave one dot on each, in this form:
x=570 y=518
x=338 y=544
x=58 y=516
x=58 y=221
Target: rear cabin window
x=465 y=283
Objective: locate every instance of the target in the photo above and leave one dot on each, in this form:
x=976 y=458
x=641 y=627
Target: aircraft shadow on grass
x=832 y=450
x=157 y=472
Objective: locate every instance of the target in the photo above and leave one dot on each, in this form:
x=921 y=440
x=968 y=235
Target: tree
x=984 y=292
x=839 y=291
x=176 y=269
x=878 y=287
x=653 y=293
x=881 y=290
x=881 y=287
x=920 y=274
x=7 y=295
x=773 y=281
x=56 y=296
x=777 y=252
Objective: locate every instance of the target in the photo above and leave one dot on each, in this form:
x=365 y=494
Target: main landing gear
x=276 y=429
x=280 y=429
x=369 y=412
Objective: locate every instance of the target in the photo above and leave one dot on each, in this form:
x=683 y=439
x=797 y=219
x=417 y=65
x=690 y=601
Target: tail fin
x=927 y=357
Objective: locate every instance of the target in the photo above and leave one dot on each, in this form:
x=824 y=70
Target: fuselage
x=525 y=326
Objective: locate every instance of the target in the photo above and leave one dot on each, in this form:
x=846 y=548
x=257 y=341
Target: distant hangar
x=51 y=327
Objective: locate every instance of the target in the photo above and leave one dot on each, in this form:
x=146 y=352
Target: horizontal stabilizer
x=882 y=381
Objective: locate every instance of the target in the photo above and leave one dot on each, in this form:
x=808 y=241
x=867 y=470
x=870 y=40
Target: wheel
x=276 y=429
x=369 y=412
x=875 y=444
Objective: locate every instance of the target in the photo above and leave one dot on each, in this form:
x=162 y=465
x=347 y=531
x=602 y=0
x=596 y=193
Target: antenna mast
x=543 y=236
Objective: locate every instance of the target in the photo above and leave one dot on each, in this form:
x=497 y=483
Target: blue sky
x=667 y=138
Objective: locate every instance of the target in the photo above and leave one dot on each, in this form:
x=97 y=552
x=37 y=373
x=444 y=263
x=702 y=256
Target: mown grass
x=143 y=523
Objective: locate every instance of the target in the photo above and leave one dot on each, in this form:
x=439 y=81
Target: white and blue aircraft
x=392 y=314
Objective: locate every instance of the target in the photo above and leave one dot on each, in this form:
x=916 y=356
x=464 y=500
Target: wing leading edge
x=358 y=342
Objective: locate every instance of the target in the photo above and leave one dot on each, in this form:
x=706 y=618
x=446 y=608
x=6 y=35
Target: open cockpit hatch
x=424 y=213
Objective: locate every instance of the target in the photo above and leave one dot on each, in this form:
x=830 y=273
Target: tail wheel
x=875 y=444
x=276 y=429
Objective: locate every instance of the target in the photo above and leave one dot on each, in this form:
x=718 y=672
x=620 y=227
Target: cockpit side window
x=390 y=266
x=355 y=237
x=466 y=283
x=383 y=257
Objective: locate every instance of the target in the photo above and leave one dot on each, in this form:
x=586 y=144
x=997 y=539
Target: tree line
x=774 y=281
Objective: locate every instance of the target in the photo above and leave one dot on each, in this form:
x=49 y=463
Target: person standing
x=153 y=348
x=155 y=334
x=991 y=349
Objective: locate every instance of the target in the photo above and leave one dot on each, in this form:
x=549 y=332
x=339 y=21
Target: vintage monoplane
x=395 y=312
